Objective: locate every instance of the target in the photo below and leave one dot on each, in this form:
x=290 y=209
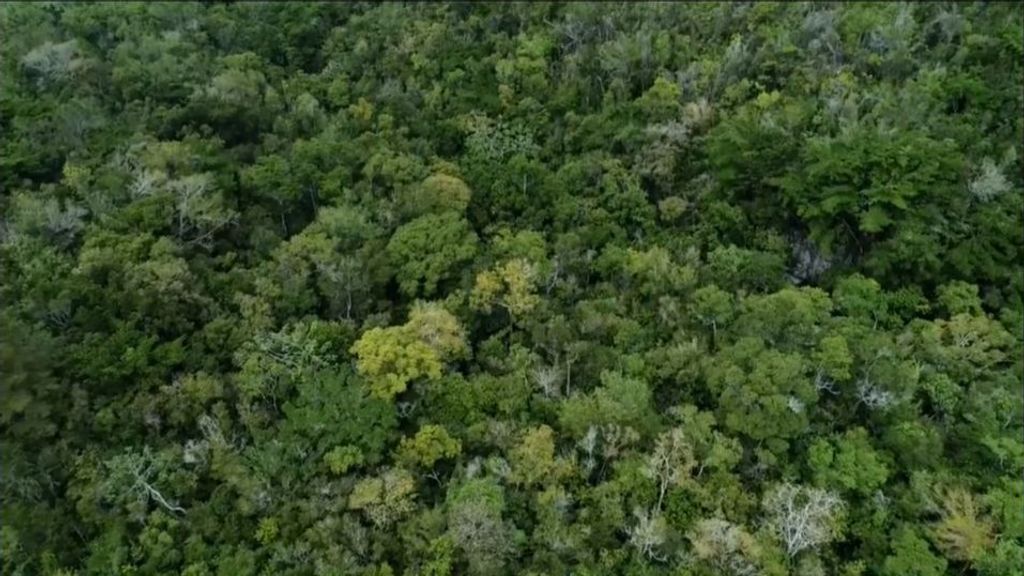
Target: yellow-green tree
x=430 y=444
x=390 y=358
x=511 y=286
x=386 y=498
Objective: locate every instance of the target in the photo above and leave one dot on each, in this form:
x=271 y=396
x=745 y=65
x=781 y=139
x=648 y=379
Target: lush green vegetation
x=680 y=289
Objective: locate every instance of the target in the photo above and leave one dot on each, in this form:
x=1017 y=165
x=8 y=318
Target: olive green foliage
x=430 y=444
x=520 y=288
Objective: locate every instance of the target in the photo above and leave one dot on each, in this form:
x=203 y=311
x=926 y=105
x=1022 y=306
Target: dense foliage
x=682 y=289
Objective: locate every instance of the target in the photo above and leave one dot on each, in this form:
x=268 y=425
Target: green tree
x=430 y=249
x=762 y=393
x=620 y=400
x=332 y=410
x=27 y=385
x=911 y=555
x=849 y=463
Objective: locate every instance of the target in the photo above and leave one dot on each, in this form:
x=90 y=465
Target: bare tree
x=54 y=62
x=66 y=222
x=548 y=379
x=589 y=444
x=802 y=517
x=130 y=479
x=478 y=529
x=873 y=396
x=648 y=534
x=144 y=183
x=727 y=547
x=671 y=462
x=615 y=439
x=989 y=182
x=345 y=276
x=197 y=206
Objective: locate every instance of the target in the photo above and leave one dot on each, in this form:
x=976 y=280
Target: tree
x=26 y=384
x=343 y=458
x=856 y=189
x=849 y=464
x=237 y=100
x=652 y=272
x=438 y=329
x=959 y=297
x=333 y=417
x=711 y=449
x=55 y=63
x=671 y=462
x=912 y=556
x=620 y=400
x=171 y=171
x=789 y=319
x=330 y=263
x=963 y=534
x=732 y=267
x=713 y=307
x=430 y=444
x=649 y=534
x=200 y=212
x=390 y=358
x=385 y=498
x=862 y=298
x=130 y=481
x=273 y=363
x=966 y=346
x=533 y=459
x=726 y=547
x=764 y=394
x=438 y=193
x=476 y=526
x=803 y=518
x=429 y=249
x=511 y=286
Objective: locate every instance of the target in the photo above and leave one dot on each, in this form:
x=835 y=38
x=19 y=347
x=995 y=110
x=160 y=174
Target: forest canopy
x=681 y=289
